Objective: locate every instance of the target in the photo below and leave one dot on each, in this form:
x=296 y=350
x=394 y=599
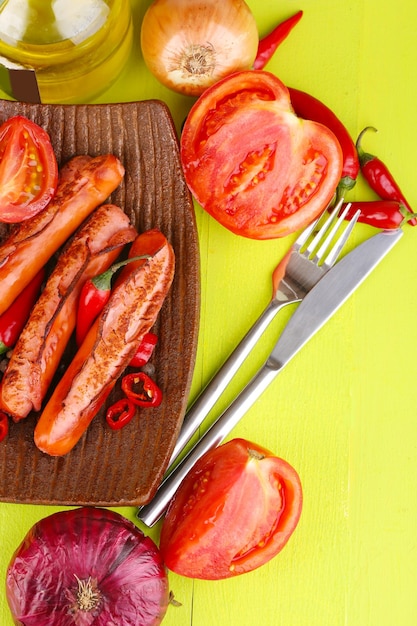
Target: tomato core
x=250 y=172
x=33 y=173
x=293 y=198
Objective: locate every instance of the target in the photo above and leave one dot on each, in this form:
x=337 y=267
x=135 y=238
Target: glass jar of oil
x=70 y=50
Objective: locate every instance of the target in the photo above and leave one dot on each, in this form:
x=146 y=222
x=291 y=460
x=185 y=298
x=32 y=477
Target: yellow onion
x=190 y=44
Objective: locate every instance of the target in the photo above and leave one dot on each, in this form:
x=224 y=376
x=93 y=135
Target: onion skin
x=95 y=546
x=191 y=44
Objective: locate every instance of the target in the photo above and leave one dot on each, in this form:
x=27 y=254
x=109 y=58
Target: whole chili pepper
x=269 y=43
x=144 y=351
x=386 y=214
x=379 y=177
x=141 y=390
x=15 y=317
x=94 y=295
x=4 y=425
x=310 y=108
x=120 y=413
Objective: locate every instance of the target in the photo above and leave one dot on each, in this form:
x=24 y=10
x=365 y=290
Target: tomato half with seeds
x=234 y=511
x=28 y=169
x=251 y=163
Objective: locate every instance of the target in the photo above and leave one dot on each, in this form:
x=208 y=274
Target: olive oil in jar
x=72 y=49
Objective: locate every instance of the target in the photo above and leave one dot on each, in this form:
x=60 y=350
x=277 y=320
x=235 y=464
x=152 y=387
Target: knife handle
x=152 y=512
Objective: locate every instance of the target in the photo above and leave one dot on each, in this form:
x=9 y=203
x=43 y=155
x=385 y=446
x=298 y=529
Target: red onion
x=87 y=567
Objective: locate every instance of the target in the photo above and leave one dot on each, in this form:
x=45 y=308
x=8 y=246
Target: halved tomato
x=234 y=511
x=28 y=169
x=257 y=168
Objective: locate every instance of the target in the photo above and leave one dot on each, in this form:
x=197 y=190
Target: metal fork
x=303 y=267
x=311 y=256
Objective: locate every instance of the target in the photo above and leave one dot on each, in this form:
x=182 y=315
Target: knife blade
x=315 y=310
x=331 y=292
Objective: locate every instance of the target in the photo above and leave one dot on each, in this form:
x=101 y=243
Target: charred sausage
x=109 y=346
x=84 y=185
x=39 y=349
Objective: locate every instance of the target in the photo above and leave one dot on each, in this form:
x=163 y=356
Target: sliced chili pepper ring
x=141 y=390
x=120 y=413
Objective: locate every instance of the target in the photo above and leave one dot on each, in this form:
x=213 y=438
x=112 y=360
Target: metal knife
x=317 y=307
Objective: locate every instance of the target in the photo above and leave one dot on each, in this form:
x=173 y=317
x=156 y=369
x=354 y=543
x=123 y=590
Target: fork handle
x=214 y=389
x=152 y=512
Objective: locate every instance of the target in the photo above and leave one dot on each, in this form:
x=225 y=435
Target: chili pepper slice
x=94 y=295
x=378 y=176
x=309 y=107
x=4 y=425
x=268 y=44
x=386 y=214
x=15 y=317
x=145 y=350
x=119 y=414
x=141 y=389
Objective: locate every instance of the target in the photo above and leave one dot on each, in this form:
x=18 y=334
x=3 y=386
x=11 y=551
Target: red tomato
x=233 y=512
x=251 y=163
x=28 y=169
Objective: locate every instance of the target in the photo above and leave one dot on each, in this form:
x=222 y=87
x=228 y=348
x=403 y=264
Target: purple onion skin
x=82 y=544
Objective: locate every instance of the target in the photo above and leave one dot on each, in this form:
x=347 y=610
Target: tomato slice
x=234 y=511
x=28 y=169
x=251 y=163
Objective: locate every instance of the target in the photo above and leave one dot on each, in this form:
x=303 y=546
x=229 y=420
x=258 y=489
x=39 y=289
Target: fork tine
x=336 y=250
x=321 y=251
x=305 y=234
x=319 y=235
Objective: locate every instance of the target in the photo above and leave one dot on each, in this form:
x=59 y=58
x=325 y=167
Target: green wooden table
x=344 y=411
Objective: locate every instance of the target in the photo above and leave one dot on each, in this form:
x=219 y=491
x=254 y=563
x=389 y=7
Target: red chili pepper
x=379 y=177
x=15 y=317
x=4 y=425
x=309 y=107
x=269 y=43
x=120 y=413
x=141 y=390
x=144 y=351
x=94 y=295
x=386 y=214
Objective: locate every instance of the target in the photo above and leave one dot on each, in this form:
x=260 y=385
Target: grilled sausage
x=83 y=186
x=109 y=346
x=40 y=347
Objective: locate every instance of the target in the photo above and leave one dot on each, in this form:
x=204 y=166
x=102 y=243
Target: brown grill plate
x=120 y=468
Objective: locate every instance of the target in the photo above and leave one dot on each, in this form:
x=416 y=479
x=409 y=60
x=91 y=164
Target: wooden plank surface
x=344 y=411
